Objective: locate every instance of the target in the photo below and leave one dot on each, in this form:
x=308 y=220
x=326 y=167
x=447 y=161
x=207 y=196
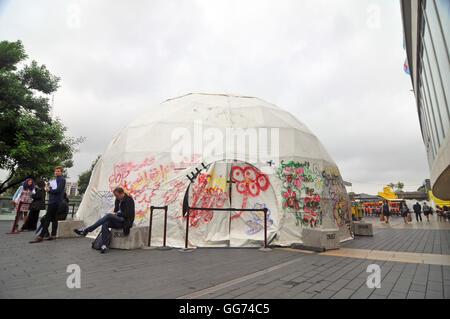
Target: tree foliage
x=422 y=189
x=31 y=142
x=84 y=178
x=398 y=187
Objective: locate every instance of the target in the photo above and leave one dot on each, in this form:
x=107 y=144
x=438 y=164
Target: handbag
x=409 y=218
x=381 y=217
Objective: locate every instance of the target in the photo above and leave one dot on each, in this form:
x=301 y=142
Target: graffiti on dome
x=202 y=195
x=256 y=223
x=147 y=180
x=107 y=201
x=300 y=192
x=249 y=182
x=335 y=191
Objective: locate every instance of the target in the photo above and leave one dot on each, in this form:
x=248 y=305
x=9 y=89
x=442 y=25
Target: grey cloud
x=320 y=60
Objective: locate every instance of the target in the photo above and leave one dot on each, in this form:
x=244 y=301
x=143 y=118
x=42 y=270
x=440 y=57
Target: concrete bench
x=362 y=229
x=319 y=239
x=136 y=239
x=66 y=227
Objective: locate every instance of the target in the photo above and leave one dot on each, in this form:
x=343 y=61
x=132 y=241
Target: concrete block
x=137 y=238
x=320 y=239
x=362 y=229
x=66 y=227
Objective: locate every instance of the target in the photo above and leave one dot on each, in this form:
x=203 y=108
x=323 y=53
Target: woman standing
x=386 y=212
x=427 y=211
x=24 y=199
x=404 y=211
x=37 y=204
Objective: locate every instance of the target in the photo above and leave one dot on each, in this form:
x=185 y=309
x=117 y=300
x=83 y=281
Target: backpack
x=97 y=243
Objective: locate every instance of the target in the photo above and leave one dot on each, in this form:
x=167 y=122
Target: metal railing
x=265 y=210
x=151 y=222
x=152 y=208
x=7 y=207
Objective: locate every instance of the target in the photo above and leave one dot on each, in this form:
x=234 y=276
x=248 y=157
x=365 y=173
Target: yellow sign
x=387 y=193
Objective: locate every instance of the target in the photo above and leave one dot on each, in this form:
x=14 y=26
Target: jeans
x=50 y=216
x=107 y=221
x=418 y=215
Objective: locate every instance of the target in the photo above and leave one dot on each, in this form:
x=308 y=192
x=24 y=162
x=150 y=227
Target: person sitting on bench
x=121 y=217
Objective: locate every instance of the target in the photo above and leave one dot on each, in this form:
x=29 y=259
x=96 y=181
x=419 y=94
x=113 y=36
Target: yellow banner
x=438 y=201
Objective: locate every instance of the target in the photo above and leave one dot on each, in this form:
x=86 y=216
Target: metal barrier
x=11 y=209
x=265 y=210
x=16 y=220
x=151 y=222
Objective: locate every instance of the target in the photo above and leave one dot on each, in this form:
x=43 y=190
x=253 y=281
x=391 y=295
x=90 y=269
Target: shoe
x=80 y=232
x=51 y=238
x=36 y=240
x=103 y=249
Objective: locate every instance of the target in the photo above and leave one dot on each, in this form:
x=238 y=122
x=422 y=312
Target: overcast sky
x=337 y=65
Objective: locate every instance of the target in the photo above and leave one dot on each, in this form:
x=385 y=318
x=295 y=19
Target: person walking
x=404 y=211
x=36 y=206
x=386 y=211
x=121 y=217
x=56 y=193
x=418 y=211
x=426 y=211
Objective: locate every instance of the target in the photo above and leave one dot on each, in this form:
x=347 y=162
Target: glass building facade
x=427 y=36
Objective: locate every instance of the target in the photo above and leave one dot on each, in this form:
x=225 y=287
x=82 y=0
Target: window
x=426 y=135
x=430 y=125
x=432 y=102
x=443 y=11
x=439 y=64
x=435 y=123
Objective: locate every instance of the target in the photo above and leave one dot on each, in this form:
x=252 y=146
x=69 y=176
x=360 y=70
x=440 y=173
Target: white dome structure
x=221 y=151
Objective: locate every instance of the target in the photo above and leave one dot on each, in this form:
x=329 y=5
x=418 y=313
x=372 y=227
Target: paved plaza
x=414 y=261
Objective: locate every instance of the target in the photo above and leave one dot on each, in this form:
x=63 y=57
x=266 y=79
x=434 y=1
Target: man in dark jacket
x=121 y=217
x=418 y=211
x=56 y=192
x=63 y=209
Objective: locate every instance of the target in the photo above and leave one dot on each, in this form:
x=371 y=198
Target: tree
x=399 y=186
x=422 y=189
x=84 y=178
x=31 y=142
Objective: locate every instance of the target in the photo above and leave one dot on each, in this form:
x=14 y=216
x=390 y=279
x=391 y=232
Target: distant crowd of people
x=385 y=211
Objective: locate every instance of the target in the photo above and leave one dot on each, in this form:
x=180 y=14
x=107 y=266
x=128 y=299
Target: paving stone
x=39 y=271
x=324 y=294
x=303 y=295
x=415 y=295
x=402 y=285
x=431 y=294
x=362 y=293
x=344 y=293
x=397 y=295
x=418 y=287
x=338 y=284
